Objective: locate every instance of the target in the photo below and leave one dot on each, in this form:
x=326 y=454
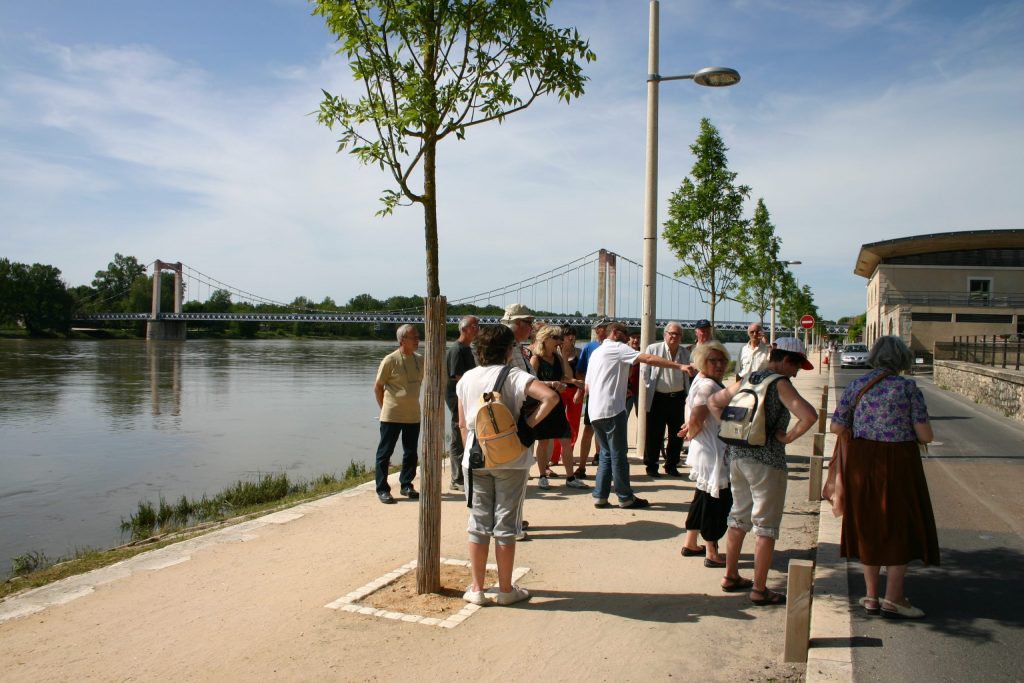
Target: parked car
x=854 y=355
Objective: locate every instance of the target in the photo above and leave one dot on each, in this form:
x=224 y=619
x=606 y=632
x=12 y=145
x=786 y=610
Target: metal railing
x=992 y=350
x=971 y=299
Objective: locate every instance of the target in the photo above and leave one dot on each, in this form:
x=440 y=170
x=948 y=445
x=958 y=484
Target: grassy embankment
x=155 y=526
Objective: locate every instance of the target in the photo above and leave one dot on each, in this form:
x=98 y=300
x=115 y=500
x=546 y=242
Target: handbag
x=834 y=489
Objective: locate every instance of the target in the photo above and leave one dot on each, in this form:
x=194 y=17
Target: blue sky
x=180 y=131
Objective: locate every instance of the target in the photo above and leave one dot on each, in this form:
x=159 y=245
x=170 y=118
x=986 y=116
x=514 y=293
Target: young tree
x=760 y=270
x=36 y=296
x=430 y=69
x=705 y=228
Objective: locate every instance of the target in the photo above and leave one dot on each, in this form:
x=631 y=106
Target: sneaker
x=410 y=493
x=543 y=483
x=386 y=498
x=475 y=597
x=574 y=483
x=515 y=595
x=635 y=503
x=601 y=503
x=456 y=486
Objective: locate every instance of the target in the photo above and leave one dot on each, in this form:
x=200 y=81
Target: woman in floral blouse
x=888 y=517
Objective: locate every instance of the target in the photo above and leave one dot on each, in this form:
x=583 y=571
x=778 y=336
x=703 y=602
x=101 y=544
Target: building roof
x=872 y=254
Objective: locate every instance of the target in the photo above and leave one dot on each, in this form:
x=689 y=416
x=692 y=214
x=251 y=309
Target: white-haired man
x=397 y=390
x=754 y=354
x=666 y=401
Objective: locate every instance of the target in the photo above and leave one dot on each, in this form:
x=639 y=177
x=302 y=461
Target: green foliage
x=114 y=285
x=29 y=562
x=242 y=496
x=430 y=69
x=705 y=229
x=856 y=324
x=795 y=301
x=760 y=270
x=34 y=296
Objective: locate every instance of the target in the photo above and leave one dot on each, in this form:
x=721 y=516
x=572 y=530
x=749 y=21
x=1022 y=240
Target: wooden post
x=822 y=417
x=428 y=566
x=798 y=609
x=814 y=474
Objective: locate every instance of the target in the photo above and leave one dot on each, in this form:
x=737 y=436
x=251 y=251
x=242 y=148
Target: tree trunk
x=428 y=567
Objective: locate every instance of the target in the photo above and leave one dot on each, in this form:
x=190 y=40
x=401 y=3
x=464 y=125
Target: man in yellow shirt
x=397 y=390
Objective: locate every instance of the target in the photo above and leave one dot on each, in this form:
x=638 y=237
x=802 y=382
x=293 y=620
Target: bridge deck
x=400 y=318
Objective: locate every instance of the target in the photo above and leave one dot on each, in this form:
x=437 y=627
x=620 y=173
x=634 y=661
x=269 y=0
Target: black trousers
x=667 y=412
x=455 y=446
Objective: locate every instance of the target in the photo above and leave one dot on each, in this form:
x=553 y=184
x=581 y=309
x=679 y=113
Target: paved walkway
x=613 y=599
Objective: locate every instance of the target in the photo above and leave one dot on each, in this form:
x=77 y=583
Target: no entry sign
x=807 y=322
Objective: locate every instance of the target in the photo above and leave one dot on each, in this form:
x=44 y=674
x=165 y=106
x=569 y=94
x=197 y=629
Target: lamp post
x=775 y=286
x=712 y=77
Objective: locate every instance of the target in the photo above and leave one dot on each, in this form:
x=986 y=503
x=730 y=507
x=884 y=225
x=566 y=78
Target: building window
x=984 y=318
x=928 y=317
x=980 y=289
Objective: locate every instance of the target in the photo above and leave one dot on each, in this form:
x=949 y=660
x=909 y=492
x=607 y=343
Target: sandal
x=869 y=604
x=735 y=584
x=768 y=597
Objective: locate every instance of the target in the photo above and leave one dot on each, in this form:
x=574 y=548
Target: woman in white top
x=497 y=493
x=712 y=498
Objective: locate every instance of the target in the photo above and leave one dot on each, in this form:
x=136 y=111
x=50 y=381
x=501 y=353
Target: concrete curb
x=830 y=657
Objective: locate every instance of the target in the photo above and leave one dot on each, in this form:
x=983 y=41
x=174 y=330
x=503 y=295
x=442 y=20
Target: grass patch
x=155 y=526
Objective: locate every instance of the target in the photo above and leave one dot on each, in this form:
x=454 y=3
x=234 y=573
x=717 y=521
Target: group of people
x=738 y=489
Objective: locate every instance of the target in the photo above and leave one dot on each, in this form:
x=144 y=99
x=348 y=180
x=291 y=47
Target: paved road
x=975 y=625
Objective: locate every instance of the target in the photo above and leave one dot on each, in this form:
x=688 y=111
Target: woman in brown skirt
x=887 y=519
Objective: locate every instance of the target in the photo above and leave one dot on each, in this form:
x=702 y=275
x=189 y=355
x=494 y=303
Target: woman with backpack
x=496 y=493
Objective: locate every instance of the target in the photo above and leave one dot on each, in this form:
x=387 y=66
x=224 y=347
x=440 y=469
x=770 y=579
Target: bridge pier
x=170 y=330
x=165 y=330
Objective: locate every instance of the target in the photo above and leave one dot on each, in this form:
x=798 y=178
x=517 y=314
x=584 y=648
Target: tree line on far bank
x=36 y=298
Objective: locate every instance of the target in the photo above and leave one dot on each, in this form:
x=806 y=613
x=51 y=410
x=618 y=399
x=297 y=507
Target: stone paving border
x=350 y=602
x=830 y=656
x=74 y=587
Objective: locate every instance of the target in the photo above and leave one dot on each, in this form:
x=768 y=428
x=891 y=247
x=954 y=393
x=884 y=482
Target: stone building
x=931 y=288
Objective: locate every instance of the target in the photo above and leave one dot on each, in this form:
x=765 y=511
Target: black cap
x=701 y=323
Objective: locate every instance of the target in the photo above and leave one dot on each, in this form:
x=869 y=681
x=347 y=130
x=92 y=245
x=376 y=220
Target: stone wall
x=993 y=387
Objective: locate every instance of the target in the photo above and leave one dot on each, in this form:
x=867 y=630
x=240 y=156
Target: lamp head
x=717 y=76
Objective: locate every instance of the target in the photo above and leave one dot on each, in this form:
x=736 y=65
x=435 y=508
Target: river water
x=90 y=428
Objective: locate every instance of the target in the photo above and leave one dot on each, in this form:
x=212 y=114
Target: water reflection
x=91 y=427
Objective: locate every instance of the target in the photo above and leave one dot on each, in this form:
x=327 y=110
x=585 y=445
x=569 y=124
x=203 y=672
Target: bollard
x=822 y=416
x=814 y=473
x=798 y=610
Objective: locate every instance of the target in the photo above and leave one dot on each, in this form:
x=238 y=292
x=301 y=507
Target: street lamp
x=713 y=77
x=775 y=286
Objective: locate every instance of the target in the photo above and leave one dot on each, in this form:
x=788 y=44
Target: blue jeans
x=612 y=465
x=389 y=432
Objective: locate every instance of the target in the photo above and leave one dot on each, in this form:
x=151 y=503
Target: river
x=89 y=428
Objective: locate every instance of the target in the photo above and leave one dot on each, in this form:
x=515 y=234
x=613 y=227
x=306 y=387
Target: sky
x=181 y=131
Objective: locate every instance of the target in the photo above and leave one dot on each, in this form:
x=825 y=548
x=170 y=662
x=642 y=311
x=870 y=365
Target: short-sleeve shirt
x=401 y=376
x=583 y=361
x=474 y=384
x=887 y=412
x=752 y=359
x=776 y=415
x=459 y=361
x=607 y=378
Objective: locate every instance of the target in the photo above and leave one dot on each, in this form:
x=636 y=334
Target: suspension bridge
x=600 y=284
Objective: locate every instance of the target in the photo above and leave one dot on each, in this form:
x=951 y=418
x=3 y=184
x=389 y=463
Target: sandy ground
x=613 y=600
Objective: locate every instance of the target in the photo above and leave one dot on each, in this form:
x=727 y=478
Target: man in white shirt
x=754 y=354
x=607 y=377
x=666 y=401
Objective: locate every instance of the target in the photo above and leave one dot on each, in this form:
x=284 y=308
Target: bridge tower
x=166 y=329
x=606 y=284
